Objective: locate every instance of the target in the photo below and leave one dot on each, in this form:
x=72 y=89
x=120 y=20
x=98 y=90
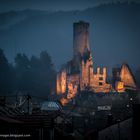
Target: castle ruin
x=79 y=73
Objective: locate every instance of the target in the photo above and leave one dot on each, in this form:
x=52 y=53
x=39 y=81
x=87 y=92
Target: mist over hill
x=114 y=33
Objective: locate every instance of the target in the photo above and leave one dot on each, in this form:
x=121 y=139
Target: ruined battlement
x=101 y=71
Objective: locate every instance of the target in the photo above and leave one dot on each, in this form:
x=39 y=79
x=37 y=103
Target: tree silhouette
x=36 y=75
x=22 y=69
x=5 y=74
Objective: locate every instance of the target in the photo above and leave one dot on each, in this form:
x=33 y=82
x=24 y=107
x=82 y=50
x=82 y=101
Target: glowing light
x=64 y=101
x=72 y=90
x=119 y=86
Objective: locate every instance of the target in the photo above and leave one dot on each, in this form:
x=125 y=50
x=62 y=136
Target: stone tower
x=80 y=41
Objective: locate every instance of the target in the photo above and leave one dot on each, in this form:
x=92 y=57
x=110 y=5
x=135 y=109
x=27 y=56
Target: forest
x=35 y=75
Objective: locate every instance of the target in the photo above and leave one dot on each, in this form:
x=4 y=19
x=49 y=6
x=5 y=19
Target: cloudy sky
x=53 y=5
x=114 y=29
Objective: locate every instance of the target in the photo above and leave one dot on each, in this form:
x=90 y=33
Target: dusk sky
x=48 y=25
x=53 y=5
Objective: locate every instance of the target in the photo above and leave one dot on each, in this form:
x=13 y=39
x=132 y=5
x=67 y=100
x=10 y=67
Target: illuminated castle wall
x=79 y=74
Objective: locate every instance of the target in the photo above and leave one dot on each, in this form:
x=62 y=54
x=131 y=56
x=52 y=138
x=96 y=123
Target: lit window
x=100 y=78
x=100 y=83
